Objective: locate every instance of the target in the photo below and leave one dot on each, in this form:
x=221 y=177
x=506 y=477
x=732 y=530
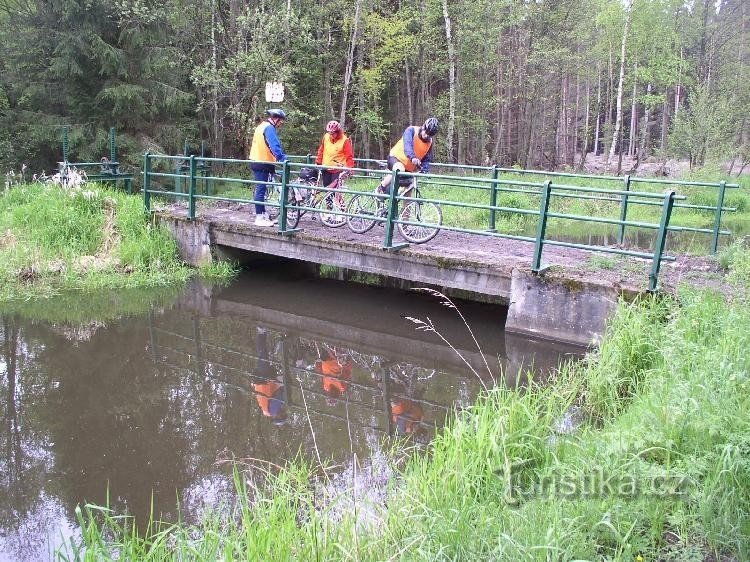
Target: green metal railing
x=547 y=192
x=495 y=172
x=109 y=169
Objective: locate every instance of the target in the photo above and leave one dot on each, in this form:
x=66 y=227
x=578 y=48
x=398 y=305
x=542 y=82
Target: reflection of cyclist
x=413 y=151
x=407 y=416
x=269 y=391
x=336 y=151
x=336 y=376
x=265 y=150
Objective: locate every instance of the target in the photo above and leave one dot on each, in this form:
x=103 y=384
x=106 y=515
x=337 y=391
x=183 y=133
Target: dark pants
x=329 y=176
x=263 y=173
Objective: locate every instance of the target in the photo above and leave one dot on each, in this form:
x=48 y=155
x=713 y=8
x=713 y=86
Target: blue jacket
x=273 y=142
x=409 y=149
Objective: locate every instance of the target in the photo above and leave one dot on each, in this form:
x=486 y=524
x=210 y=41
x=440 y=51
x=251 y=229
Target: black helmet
x=431 y=126
x=276 y=113
x=308 y=175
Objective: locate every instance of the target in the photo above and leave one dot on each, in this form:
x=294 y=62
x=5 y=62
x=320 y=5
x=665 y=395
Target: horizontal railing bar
x=606 y=249
x=603 y=220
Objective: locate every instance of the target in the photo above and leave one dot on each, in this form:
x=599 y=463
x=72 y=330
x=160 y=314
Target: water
x=149 y=405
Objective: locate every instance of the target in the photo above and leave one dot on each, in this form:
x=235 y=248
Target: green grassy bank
x=54 y=240
x=658 y=469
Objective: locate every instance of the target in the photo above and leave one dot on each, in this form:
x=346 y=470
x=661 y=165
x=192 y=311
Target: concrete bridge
x=570 y=302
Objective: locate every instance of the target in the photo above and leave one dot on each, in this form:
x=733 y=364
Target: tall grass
x=664 y=443
x=52 y=240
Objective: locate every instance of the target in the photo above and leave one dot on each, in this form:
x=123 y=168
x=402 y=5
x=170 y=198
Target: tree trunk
x=631 y=134
x=585 y=147
x=664 y=122
x=618 y=116
x=451 y=82
x=646 y=130
x=350 y=63
x=598 y=108
x=409 y=93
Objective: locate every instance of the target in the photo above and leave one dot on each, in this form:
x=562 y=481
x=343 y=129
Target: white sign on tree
x=274 y=91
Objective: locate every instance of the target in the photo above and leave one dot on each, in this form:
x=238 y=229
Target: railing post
x=308 y=159
x=624 y=210
x=717 y=219
x=191 y=191
x=493 y=197
x=284 y=195
x=147 y=181
x=541 y=227
x=661 y=239
x=392 y=211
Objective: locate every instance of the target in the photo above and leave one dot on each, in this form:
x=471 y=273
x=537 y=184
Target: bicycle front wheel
x=363 y=206
x=428 y=214
x=293 y=215
x=333 y=202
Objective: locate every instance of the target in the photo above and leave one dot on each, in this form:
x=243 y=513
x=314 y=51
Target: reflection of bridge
x=392 y=363
x=300 y=395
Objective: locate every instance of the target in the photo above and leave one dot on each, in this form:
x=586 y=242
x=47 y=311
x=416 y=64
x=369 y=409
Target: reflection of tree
x=23 y=460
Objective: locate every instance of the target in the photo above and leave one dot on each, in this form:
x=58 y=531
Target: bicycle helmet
x=308 y=175
x=431 y=126
x=333 y=127
x=279 y=113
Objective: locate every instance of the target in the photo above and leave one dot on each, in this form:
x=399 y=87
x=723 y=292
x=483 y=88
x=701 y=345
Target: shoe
x=263 y=220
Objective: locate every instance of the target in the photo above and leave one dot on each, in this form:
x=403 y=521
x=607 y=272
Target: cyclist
x=413 y=151
x=269 y=388
x=265 y=150
x=336 y=151
x=337 y=372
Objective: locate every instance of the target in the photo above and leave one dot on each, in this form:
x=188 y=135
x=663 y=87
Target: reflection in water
x=143 y=407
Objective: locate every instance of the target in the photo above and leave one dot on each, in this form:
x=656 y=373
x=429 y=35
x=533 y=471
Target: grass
x=95 y=238
x=659 y=468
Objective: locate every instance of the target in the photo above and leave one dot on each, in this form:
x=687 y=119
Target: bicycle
x=416 y=210
x=305 y=194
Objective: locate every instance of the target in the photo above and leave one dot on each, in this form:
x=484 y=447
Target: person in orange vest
x=271 y=397
x=407 y=416
x=265 y=150
x=413 y=152
x=336 y=376
x=269 y=390
x=336 y=151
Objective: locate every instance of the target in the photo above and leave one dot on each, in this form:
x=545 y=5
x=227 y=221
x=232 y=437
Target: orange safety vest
x=259 y=149
x=264 y=395
x=406 y=415
x=421 y=148
x=333 y=152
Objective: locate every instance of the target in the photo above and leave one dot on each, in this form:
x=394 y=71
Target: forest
x=532 y=83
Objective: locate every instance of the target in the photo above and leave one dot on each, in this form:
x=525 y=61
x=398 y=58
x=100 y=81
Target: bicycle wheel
x=273 y=195
x=365 y=206
x=332 y=202
x=293 y=215
x=424 y=212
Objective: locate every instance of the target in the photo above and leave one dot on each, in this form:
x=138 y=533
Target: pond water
x=143 y=407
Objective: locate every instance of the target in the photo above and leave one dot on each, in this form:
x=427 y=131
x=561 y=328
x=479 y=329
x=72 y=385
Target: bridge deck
x=231 y=225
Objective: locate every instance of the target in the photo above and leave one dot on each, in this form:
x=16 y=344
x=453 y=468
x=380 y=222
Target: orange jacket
x=267 y=395
x=406 y=415
x=335 y=153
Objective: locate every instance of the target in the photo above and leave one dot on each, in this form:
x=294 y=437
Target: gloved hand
x=416 y=162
